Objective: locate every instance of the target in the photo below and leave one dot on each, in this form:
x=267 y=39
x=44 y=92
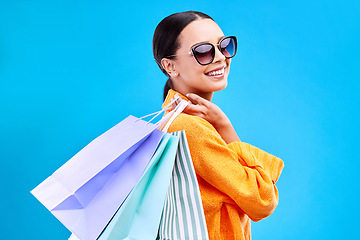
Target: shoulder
x=190 y=123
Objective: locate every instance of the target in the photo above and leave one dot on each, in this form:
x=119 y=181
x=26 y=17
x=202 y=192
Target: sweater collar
x=171 y=94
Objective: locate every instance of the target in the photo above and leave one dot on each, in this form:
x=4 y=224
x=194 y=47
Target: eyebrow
x=219 y=39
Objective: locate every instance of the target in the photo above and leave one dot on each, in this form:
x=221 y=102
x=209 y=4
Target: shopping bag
x=183 y=215
x=84 y=193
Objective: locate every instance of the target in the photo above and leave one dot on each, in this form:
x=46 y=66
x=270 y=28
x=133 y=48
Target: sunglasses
x=204 y=53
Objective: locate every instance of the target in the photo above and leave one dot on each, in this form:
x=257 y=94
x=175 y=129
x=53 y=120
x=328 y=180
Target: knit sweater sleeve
x=243 y=172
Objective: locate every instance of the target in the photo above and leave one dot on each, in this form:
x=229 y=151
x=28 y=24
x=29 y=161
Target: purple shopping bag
x=87 y=190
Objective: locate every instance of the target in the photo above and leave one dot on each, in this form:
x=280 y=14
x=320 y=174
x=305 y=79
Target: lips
x=216 y=72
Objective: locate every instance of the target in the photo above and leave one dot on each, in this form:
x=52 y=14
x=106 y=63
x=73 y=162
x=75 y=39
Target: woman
x=236 y=179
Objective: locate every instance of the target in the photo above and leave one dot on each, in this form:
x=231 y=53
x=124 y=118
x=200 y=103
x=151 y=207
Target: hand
x=213 y=114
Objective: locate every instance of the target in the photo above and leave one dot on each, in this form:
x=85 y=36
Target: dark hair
x=165 y=40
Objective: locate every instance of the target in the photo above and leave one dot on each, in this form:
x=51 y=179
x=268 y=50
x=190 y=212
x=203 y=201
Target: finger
x=193 y=109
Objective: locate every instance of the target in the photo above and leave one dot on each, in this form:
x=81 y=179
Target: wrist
x=227 y=132
x=222 y=124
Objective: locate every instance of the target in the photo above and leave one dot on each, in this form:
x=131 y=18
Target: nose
x=218 y=55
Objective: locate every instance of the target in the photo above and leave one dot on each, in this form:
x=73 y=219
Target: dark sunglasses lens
x=204 y=53
x=228 y=47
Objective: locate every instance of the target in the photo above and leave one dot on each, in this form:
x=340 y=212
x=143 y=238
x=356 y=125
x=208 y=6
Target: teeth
x=214 y=73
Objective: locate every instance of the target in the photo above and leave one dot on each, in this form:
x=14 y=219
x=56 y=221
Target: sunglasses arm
x=179 y=54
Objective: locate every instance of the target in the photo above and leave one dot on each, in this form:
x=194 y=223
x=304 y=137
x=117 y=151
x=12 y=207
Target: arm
x=233 y=169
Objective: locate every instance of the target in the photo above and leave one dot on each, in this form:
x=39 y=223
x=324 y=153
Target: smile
x=216 y=72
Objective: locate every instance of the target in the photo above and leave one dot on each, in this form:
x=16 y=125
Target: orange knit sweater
x=236 y=180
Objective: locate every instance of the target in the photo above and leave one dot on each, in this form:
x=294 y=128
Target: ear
x=169 y=66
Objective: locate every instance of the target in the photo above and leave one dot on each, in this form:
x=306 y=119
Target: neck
x=206 y=95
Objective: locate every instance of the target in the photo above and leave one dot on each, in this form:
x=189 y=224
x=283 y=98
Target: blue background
x=70 y=70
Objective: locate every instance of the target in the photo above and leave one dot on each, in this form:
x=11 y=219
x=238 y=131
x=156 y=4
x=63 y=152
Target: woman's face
x=190 y=76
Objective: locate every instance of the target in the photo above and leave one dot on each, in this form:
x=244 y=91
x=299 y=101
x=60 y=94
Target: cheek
x=201 y=69
x=195 y=70
x=190 y=67
x=190 y=70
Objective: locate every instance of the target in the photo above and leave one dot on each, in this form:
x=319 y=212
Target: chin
x=219 y=89
x=220 y=86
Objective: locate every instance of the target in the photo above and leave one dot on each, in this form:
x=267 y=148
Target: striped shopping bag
x=183 y=214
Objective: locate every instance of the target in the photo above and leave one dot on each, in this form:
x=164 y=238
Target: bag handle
x=172 y=115
x=167 y=107
x=164 y=123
